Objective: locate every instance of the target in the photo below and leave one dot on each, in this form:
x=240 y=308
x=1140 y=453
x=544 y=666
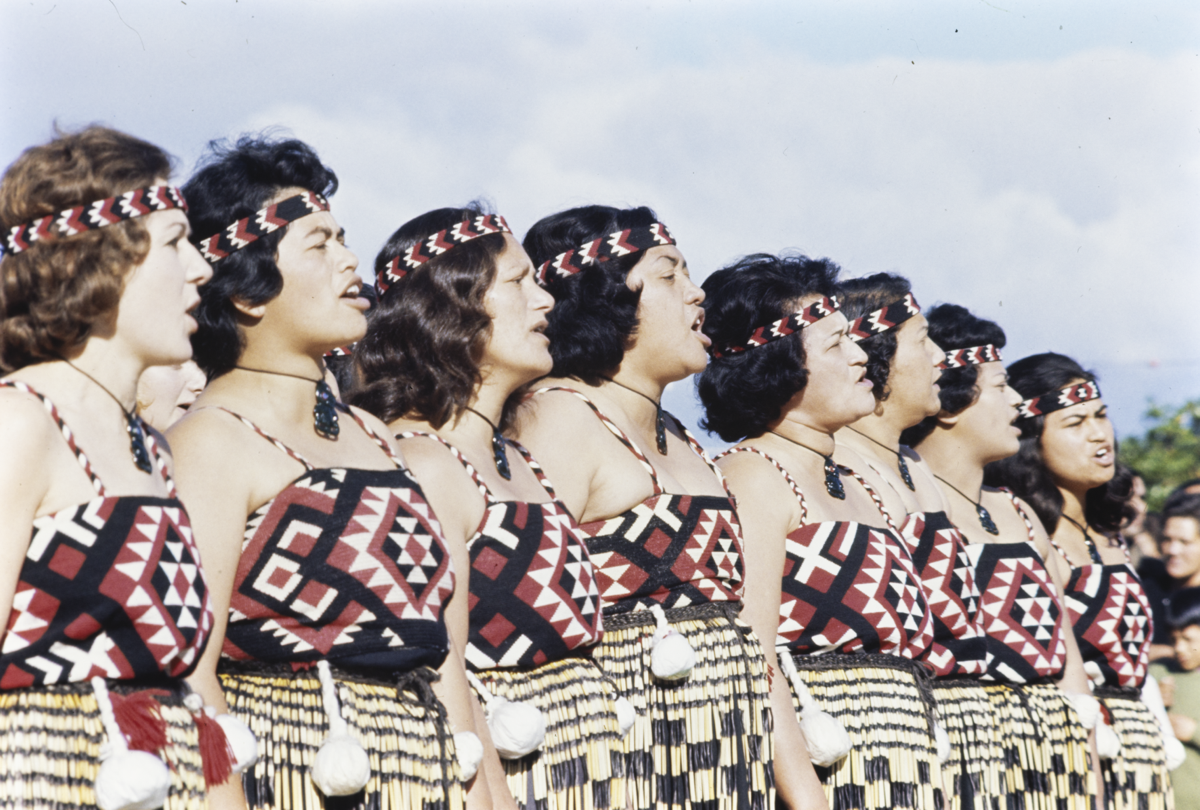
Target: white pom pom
x=1175 y=752
x=517 y=728
x=943 y=742
x=1092 y=670
x=1108 y=744
x=132 y=780
x=341 y=767
x=671 y=655
x=824 y=736
x=626 y=715
x=1087 y=707
x=128 y=780
x=241 y=740
x=468 y=750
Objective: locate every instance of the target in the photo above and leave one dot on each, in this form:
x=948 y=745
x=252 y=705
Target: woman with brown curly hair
x=459 y=332
x=104 y=609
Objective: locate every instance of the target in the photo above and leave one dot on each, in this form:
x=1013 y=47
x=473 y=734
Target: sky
x=1035 y=161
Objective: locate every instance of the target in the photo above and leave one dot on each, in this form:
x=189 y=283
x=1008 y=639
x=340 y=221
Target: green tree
x=1169 y=452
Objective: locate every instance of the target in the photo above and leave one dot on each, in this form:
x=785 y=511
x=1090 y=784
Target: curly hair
x=861 y=296
x=54 y=293
x=594 y=320
x=234 y=181
x=424 y=343
x=1026 y=474
x=953 y=327
x=744 y=393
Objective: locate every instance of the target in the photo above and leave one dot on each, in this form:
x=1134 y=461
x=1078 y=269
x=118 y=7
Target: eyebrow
x=325 y=232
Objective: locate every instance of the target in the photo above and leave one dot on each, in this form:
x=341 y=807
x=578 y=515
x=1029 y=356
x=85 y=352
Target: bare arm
x=558 y=427
x=767 y=510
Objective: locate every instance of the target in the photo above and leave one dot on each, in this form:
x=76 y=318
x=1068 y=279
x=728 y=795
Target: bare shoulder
x=557 y=413
x=373 y=422
x=753 y=476
x=26 y=432
x=206 y=432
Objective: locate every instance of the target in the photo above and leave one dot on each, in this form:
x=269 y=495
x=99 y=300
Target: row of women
x=500 y=574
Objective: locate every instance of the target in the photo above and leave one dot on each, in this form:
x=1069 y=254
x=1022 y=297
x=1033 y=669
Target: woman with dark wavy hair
x=104 y=610
x=329 y=570
x=828 y=573
x=1034 y=680
x=459 y=333
x=1067 y=470
x=662 y=530
x=904 y=364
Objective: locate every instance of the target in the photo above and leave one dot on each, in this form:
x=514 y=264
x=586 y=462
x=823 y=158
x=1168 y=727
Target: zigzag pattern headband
x=613 y=246
x=784 y=326
x=93 y=215
x=261 y=223
x=974 y=356
x=1057 y=400
x=433 y=246
x=881 y=320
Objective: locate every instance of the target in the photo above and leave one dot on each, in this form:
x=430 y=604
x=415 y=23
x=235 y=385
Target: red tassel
x=1105 y=713
x=140 y=720
x=771 y=676
x=215 y=751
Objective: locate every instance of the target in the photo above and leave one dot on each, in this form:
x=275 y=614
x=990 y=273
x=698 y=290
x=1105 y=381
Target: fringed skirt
x=580 y=764
x=401 y=725
x=1137 y=779
x=973 y=777
x=882 y=704
x=1045 y=747
x=50 y=742
x=703 y=742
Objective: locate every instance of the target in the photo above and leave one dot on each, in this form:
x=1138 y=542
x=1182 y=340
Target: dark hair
x=1026 y=474
x=421 y=354
x=861 y=296
x=745 y=392
x=54 y=292
x=953 y=327
x=1183 y=608
x=1182 y=504
x=233 y=182
x=594 y=319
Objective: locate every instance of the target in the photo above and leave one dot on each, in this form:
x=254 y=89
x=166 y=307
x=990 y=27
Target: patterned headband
x=1057 y=400
x=89 y=217
x=881 y=320
x=974 y=356
x=613 y=246
x=261 y=223
x=434 y=246
x=784 y=326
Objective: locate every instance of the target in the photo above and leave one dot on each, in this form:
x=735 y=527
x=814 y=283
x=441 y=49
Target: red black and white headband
x=881 y=320
x=261 y=223
x=433 y=246
x=784 y=326
x=1057 y=400
x=93 y=215
x=613 y=246
x=973 y=356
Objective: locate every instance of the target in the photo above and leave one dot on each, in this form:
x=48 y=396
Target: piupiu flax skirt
x=878 y=699
x=50 y=740
x=580 y=764
x=402 y=728
x=1137 y=779
x=703 y=742
x=973 y=777
x=1045 y=748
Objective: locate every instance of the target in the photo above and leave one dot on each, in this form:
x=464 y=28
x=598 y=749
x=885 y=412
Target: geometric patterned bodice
x=533 y=595
x=1111 y=617
x=671 y=550
x=111 y=587
x=849 y=587
x=940 y=558
x=343 y=565
x=1019 y=610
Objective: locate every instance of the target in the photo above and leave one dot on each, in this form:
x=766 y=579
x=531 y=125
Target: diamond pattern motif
x=1111 y=617
x=850 y=587
x=1019 y=613
x=348 y=565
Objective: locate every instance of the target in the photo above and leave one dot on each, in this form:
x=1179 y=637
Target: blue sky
x=1038 y=162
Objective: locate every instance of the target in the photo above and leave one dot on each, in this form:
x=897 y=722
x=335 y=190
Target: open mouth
x=353 y=291
x=1104 y=455
x=697 y=326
